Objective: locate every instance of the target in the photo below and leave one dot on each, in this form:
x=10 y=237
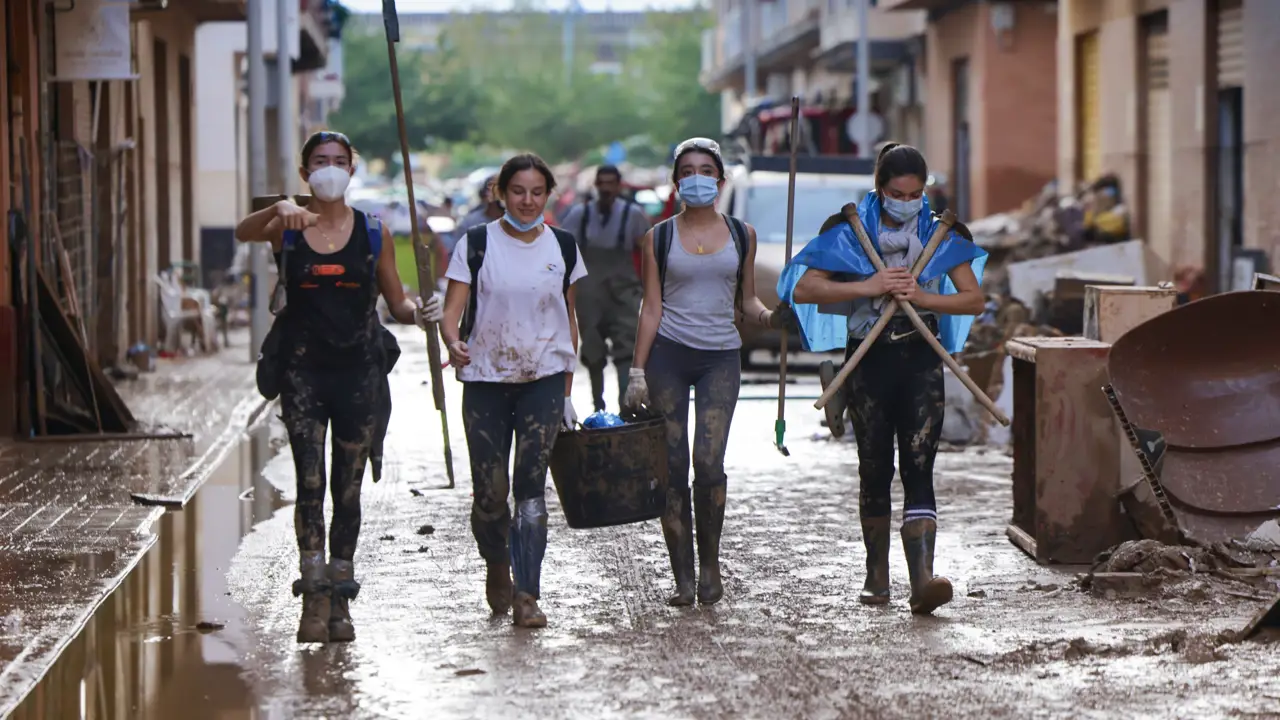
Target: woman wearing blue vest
x=896 y=392
x=333 y=263
x=699 y=278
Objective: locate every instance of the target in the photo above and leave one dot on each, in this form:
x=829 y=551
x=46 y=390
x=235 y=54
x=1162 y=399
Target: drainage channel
x=170 y=641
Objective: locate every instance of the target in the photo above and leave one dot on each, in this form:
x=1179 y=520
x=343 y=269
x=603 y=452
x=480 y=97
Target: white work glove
x=637 y=396
x=426 y=313
x=570 y=415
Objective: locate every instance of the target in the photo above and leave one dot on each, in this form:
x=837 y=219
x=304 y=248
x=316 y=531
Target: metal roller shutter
x=1159 y=143
x=1231 y=46
x=1089 y=108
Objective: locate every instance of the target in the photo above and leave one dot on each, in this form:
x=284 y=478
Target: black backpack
x=478 y=242
x=664 y=231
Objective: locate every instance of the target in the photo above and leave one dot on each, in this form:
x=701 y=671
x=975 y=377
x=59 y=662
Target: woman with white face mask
x=896 y=392
x=699 y=278
x=332 y=268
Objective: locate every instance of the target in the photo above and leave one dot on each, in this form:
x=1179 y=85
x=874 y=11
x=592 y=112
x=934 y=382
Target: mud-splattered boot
x=708 y=509
x=313 y=587
x=835 y=407
x=677 y=530
x=344 y=589
x=497 y=587
x=528 y=546
x=927 y=592
x=875 y=537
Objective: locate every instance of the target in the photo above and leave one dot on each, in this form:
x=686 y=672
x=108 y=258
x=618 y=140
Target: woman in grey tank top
x=699 y=274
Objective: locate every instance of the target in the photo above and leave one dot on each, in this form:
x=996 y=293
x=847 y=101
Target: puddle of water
x=170 y=641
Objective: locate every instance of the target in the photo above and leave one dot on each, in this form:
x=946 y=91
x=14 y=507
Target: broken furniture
x=185 y=309
x=1206 y=377
x=1263 y=281
x=1066 y=461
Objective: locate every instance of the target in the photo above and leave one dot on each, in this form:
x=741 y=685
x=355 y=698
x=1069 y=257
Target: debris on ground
x=426 y=530
x=207 y=626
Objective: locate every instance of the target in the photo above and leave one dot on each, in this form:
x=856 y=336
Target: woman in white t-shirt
x=515 y=354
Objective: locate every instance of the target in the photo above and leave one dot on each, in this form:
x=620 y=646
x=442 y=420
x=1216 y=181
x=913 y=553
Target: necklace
x=329 y=241
x=696 y=241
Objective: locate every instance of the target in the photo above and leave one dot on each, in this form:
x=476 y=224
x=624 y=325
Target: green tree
x=440 y=101
x=674 y=103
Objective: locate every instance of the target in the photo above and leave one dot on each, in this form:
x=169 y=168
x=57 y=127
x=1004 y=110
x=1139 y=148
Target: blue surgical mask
x=519 y=226
x=699 y=190
x=902 y=210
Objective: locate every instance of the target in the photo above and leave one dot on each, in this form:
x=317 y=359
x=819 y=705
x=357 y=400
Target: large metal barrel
x=611 y=476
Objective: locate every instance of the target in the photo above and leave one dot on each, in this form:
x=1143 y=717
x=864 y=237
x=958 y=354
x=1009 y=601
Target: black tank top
x=331 y=298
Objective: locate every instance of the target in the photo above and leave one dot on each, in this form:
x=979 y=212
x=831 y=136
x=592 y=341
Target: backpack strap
x=374 y=225
x=741 y=241
x=477 y=243
x=568 y=251
x=622 y=229
x=662 y=234
x=586 y=211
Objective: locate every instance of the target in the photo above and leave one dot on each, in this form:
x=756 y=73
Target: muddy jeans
x=491 y=414
x=311 y=402
x=716 y=377
x=897 y=392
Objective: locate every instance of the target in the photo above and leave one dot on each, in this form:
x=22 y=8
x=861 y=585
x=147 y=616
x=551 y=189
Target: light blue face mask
x=699 y=190
x=901 y=210
x=519 y=226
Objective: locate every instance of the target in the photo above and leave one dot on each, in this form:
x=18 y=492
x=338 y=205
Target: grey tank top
x=697 y=303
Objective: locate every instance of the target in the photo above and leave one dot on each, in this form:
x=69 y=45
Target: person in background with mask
x=515 y=353
x=896 y=391
x=333 y=366
x=699 y=278
x=607 y=231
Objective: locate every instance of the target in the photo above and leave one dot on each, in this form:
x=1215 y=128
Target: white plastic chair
x=171 y=312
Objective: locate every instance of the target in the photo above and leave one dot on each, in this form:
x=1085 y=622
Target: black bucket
x=611 y=476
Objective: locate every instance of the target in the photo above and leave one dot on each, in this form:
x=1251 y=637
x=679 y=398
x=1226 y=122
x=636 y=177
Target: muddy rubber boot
x=677 y=530
x=313 y=588
x=344 y=589
x=497 y=587
x=875 y=537
x=528 y=546
x=835 y=407
x=927 y=592
x=708 y=509
x=596 y=373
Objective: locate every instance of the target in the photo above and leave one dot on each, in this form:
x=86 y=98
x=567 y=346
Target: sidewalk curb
x=247 y=414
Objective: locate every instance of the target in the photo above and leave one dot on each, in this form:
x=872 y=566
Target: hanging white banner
x=93 y=41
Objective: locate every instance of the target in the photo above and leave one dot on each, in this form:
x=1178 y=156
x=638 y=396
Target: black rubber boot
x=708 y=509
x=624 y=378
x=596 y=373
x=835 y=407
x=497 y=587
x=314 y=589
x=875 y=537
x=927 y=592
x=528 y=546
x=677 y=530
x=344 y=590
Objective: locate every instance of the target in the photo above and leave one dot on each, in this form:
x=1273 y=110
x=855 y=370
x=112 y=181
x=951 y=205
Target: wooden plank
x=1263 y=281
x=84 y=371
x=1021 y=539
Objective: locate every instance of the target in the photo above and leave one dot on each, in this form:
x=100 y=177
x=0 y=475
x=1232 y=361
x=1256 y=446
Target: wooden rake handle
x=850 y=210
x=851 y=215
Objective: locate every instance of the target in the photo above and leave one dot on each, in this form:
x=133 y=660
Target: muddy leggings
x=492 y=413
x=311 y=402
x=715 y=376
x=897 y=392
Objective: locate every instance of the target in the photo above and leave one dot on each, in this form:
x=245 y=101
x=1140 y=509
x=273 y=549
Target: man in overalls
x=607 y=230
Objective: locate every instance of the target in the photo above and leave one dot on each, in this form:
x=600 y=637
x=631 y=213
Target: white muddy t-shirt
x=521 y=332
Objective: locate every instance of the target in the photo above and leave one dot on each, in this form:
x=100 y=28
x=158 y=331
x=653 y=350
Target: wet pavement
x=71 y=528
x=788 y=640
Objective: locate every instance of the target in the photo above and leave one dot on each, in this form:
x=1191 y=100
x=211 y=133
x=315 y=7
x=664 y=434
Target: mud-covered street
x=788 y=640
